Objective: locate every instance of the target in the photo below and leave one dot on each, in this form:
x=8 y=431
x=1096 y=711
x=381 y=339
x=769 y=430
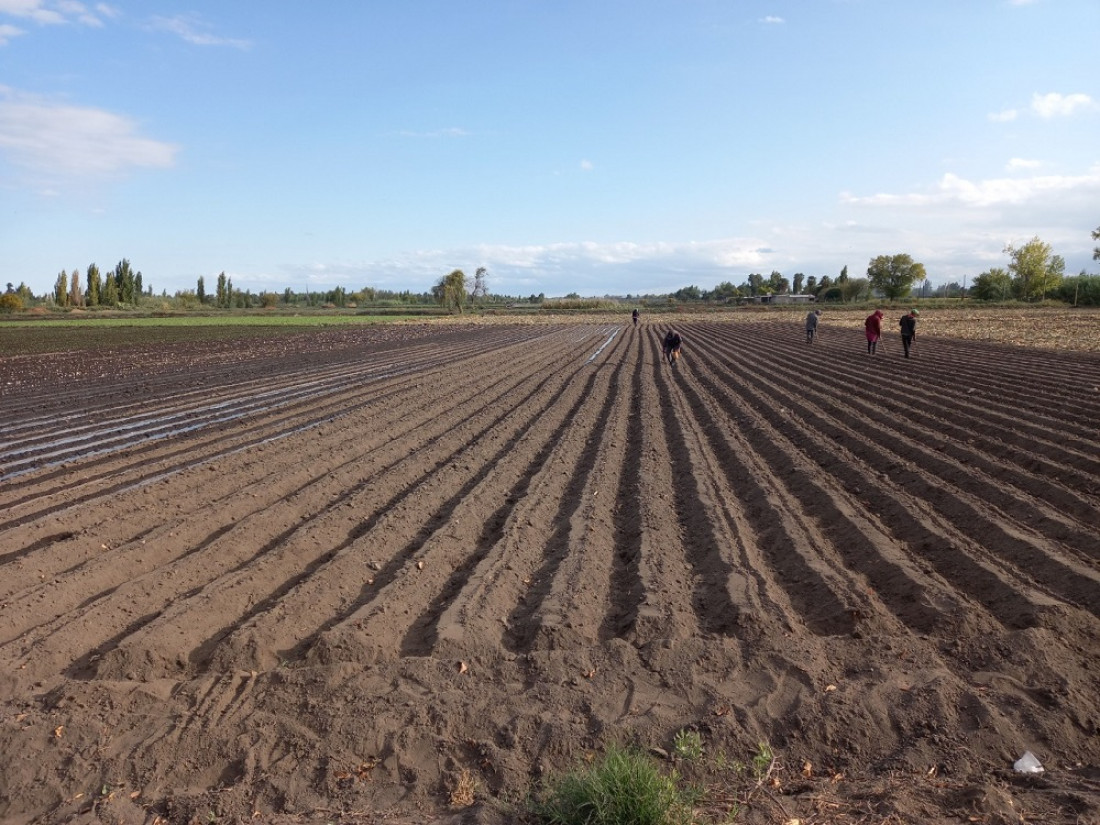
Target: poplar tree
x=61 y=289
x=76 y=296
x=95 y=285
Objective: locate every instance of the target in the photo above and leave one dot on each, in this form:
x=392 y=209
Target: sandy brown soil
x=324 y=577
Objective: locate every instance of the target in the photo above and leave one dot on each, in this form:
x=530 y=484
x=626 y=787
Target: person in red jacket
x=873 y=326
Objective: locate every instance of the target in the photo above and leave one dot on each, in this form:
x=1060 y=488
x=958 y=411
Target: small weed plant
x=762 y=760
x=628 y=787
x=688 y=745
x=624 y=787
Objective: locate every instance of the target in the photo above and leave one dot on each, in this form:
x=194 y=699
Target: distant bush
x=1084 y=290
x=574 y=304
x=10 y=302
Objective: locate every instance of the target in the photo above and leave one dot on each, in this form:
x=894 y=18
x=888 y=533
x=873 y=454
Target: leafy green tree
x=1036 y=269
x=94 y=283
x=688 y=293
x=200 y=290
x=995 y=284
x=725 y=291
x=843 y=276
x=811 y=285
x=894 y=275
x=450 y=291
x=854 y=289
x=1080 y=290
x=755 y=284
x=10 y=300
x=796 y=283
x=777 y=284
x=1096 y=249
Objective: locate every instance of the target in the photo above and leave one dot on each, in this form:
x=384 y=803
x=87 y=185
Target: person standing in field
x=908 y=324
x=672 y=344
x=635 y=317
x=811 y=325
x=873 y=328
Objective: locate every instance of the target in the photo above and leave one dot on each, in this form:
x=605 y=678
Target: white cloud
x=194 y=31
x=56 y=12
x=586 y=166
x=7 y=32
x=61 y=140
x=772 y=19
x=449 y=132
x=1048 y=106
x=588 y=267
x=953 y=189
x=1058 y=105
x=1023 y=163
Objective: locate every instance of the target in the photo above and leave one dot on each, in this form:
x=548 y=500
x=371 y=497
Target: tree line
x=1033 y=272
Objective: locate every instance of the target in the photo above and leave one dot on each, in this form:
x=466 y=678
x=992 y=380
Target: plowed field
x=333 y=575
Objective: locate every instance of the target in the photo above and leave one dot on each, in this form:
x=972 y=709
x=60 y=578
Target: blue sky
x=599 y=147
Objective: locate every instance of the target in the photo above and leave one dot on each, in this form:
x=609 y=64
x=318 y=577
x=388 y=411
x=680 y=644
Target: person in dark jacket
x=672 y=344
x=873 y=328
x=811 y=325
x=635 y=317
x=908 y=324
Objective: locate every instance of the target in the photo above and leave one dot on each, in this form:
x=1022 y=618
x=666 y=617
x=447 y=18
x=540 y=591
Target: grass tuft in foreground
x=625 y=787
x=629 y=787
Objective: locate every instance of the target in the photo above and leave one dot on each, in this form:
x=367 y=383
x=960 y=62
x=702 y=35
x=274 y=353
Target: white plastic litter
x=1028 y=764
